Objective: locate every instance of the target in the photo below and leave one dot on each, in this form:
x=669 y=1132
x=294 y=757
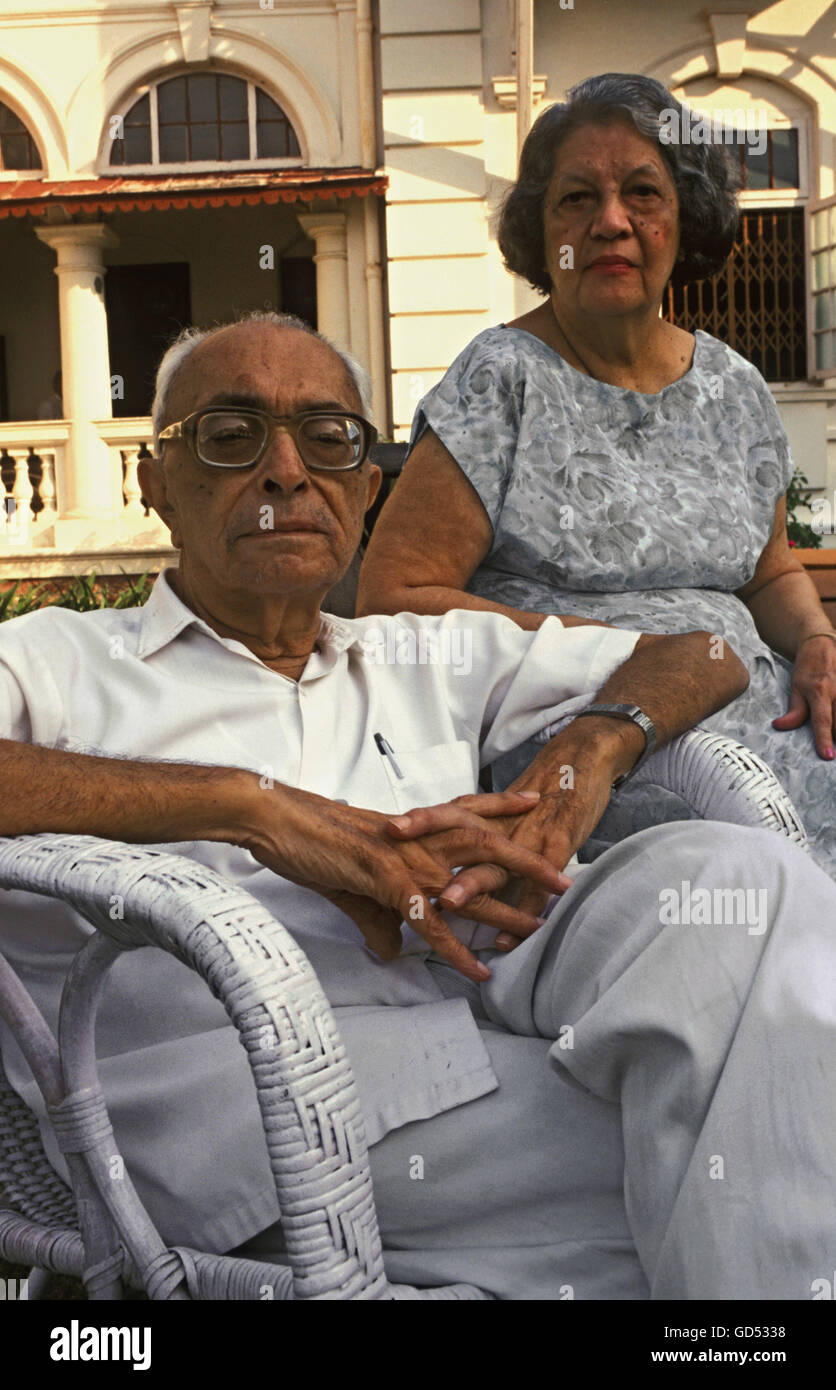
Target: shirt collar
x=164 y=616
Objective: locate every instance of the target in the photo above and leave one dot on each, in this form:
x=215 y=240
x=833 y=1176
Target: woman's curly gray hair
x=706 y=179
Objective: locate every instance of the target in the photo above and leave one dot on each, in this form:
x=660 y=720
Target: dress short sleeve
x=771 y=465
x=475 y=412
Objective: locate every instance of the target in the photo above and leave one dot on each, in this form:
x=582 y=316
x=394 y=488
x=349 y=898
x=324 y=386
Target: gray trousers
x=665 y=1123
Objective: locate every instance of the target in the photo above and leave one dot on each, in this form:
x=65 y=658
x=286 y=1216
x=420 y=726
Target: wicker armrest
x=698 y=775
x=304 y=1085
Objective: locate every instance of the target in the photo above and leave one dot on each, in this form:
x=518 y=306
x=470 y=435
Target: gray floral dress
x=642 y=511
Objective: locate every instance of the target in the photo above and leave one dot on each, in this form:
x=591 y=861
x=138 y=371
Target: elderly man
x=605 y=1105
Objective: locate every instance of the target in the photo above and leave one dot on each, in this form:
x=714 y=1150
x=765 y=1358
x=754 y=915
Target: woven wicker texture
x=29 y=1184
x=305 y=1089
x=722 y=780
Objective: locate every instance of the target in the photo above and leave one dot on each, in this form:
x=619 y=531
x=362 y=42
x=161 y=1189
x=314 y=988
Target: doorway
x=146 y=307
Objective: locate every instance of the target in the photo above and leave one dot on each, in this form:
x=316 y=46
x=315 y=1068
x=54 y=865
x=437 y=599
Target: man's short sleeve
x=14 y=713
x=475 y=412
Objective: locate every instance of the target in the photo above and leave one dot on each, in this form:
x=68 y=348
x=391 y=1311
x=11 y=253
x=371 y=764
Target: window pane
x=233 y=98
x=267 y=107
x=204 y=142
x=822 y=311
x=140 y=112
x=235 y=141
x=819 y=229
x=203 y=98
x=137 y=145
x=784 y=158
x=826 y=350
x=173 y=146
x=820 y=270
x=272 y=140
x=276 y=138
x=15 y=152
x=9 y=121
x=757 y=169
x=171 y=100
x=833 y=225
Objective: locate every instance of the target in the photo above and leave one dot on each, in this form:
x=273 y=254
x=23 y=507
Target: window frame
x=826 y=205
x=199 y=166
x=18 y=175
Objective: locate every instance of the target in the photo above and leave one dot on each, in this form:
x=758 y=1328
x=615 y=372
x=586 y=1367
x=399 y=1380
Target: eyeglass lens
x=325 y=441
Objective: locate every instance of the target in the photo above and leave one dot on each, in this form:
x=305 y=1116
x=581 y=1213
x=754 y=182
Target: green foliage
x=800 y=533
x=82 y=593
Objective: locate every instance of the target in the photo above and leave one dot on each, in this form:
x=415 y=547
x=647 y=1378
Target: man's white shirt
x=446 y=694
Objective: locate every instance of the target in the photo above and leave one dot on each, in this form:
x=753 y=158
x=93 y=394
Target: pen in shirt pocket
x=384 y=748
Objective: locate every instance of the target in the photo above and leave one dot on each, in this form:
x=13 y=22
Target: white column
x=90 y=488
x=328 y=230
x=525 y=69
x=374 y=295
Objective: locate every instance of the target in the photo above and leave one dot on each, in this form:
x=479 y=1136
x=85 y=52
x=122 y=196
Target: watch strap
x=633 y=715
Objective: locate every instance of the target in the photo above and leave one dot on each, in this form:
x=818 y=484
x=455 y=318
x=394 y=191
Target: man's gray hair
x=187 y=340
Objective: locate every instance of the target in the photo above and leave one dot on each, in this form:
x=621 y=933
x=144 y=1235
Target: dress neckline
x=622 y=391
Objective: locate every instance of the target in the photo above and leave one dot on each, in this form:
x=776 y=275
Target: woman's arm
x=781 y=596
x=789 y=616
x=430 y=537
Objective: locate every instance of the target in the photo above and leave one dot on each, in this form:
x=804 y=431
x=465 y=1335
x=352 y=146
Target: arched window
x=17 y=148
x=202 y=118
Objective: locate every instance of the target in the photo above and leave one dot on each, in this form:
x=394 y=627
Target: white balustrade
x=37 y=541
x=134 y=510
x=46 y=490
x=19 y=504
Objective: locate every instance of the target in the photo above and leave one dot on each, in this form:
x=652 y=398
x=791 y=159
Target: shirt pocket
x=432 y=775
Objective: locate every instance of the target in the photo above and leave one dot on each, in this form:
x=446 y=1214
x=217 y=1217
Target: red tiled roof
x=123 y=193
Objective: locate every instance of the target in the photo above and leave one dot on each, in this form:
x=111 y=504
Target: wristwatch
x=636 y=716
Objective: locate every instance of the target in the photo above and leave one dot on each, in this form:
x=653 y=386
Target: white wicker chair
x=99 y=1231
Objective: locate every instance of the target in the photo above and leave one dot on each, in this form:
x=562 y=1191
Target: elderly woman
x=591 y=459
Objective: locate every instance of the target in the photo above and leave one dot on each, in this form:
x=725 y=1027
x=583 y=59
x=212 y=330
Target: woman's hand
x=813 y=693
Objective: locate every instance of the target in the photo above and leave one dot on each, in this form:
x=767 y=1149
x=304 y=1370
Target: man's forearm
x=46 y=789
x=676 y=681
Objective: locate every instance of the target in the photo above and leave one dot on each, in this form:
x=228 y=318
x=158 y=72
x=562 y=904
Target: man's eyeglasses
x=327 y=440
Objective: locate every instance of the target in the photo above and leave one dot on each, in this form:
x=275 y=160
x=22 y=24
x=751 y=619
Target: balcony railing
x=37 y=535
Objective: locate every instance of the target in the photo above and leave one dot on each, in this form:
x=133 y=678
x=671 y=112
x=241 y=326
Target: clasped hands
x=381 y=870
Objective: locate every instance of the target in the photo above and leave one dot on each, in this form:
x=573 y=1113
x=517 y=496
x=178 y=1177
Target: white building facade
x=174 y=163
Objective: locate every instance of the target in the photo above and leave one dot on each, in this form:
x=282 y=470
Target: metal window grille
x=757 y=303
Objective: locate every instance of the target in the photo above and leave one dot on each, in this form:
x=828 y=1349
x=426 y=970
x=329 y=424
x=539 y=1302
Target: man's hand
x=573 y=776
x=353 y=857
x=813 y=694
x=677 y=681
